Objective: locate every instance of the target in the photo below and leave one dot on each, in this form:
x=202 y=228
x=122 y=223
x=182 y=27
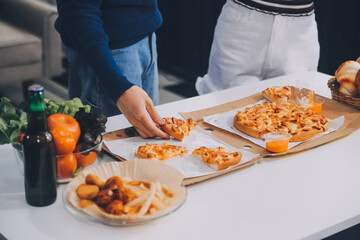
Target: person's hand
x=139 y=110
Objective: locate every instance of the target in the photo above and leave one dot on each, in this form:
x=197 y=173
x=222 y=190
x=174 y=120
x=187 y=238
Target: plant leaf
x=23 y=117
x=4 y=132
x=4 y=101
x=9 y=114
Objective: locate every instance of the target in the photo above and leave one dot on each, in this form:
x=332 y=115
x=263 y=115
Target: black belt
x=282 y=7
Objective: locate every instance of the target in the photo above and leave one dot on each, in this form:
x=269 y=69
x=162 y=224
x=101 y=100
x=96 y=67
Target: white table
x=308 y=195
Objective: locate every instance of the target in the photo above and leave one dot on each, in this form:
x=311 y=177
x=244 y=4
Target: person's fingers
x=151 y=126
x=154 y=114
x=156 y=121
x=148 y=126
x=141 y=133
x=143 y=128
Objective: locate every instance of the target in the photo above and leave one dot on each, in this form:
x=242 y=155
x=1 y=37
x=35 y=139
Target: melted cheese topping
x=160 y=151
x=215 y=155
x=181 y=126
x=279 y=93
x=285 y=118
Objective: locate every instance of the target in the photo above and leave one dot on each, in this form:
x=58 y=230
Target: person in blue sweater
x=111 y=49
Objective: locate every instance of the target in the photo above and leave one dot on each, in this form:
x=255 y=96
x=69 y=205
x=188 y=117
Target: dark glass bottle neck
x=37 y=122
x=36 y=114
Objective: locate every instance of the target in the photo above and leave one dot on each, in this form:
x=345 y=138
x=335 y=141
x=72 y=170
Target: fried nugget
x=125 y=195
x=116 y=207
x=84 y=203
x=105 y=197
x=113 y=183
x=86 y=191
x=94 y=179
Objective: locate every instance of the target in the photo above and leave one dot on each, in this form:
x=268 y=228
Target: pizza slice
x=218 y=158
x=277 y=94
x=160 y=151
x=178 y=128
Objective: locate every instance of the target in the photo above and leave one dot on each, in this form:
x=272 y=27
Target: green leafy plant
x=13 y=120
x=69 y=107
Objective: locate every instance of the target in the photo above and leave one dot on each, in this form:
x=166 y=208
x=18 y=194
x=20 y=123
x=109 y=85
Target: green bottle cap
x=36 y=93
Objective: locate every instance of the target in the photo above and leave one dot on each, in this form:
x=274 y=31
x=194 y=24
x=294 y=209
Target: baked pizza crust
x=246 y=129
x=224 y=164
x=307 y=134
x=279 y=94
x=298 y=135
x=266 y=94
x=173 y=132
x=217 y=158
x=160 y=151
x=178 y=128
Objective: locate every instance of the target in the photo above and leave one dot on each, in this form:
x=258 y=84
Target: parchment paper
x=188 y=165
x=226 y=121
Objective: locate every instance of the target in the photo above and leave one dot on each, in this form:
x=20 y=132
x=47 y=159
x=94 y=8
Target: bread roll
x=346 y=76
x=357 y=81
x=358 y=60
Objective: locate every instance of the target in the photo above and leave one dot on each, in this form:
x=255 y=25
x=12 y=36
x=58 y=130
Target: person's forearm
x=112 y=79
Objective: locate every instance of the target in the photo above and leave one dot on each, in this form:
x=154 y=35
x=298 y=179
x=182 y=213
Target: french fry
x=158 y=203
x=159 y=191
x=136 y=190
x=137 y=201
x=147 y=203
x=132 y=210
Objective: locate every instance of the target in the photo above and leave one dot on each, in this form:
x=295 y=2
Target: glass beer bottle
x=39 y=153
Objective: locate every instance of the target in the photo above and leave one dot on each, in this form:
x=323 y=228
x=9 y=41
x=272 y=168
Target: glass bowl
x=314 y=103
x=133 y=170
x=88 y=158
x=304 y=97
x=92 y=218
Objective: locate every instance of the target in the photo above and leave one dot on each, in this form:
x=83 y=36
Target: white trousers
x=251 y=46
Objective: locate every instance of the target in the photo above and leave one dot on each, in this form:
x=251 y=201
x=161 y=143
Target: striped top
x=283 y=7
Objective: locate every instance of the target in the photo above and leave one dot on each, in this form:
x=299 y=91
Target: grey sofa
x=30 y=47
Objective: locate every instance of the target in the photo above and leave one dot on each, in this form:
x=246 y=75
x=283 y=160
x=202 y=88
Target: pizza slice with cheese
x=160 y=151
x=277 y=94
x=218 y=158
x=178 y=128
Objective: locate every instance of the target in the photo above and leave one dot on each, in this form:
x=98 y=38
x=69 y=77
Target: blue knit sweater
x=93 y=27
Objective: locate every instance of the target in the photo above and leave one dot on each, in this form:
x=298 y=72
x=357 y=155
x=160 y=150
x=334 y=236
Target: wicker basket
x=340 y=97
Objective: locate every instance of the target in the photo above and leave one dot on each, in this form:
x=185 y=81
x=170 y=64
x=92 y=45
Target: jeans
x=137 y=62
